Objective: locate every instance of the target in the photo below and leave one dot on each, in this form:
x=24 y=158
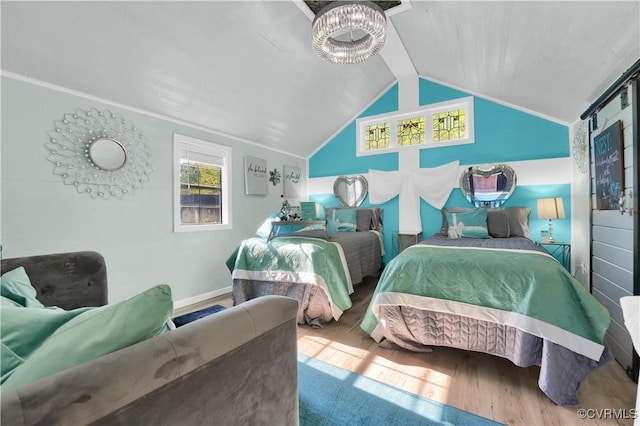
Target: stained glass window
x=411 y=131
x=449 y=125
x=436 y=125
x=376 y=136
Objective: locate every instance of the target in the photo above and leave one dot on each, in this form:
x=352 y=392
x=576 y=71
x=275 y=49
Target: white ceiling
x=246 y=68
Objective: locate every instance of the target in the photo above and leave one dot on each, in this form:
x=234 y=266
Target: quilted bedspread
x=528 y=290
x=515 y=301
x=299 y=260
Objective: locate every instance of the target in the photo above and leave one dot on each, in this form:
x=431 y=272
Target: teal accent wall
x=502 y=134
x=338 y=156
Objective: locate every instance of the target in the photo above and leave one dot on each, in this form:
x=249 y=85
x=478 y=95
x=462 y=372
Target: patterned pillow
x=472 y=224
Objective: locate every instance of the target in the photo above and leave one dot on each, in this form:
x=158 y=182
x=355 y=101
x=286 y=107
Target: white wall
x=40 y=215
x=580 y=220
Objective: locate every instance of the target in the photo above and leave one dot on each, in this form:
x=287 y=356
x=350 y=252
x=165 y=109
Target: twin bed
x=317 y=269
x=504 y=296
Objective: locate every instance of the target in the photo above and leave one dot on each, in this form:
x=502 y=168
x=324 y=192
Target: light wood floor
x=482 y=384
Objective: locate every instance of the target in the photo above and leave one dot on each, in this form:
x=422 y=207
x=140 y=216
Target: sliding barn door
x=612 y=231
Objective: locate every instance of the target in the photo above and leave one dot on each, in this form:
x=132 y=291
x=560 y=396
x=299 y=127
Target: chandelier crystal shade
x=348 y=19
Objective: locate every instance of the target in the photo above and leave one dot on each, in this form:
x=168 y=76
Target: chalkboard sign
x=609 y=160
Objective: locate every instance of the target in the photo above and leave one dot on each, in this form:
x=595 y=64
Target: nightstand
x=561 y=251
x=400 y=241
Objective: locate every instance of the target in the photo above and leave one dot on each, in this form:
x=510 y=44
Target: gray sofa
x=238 y=366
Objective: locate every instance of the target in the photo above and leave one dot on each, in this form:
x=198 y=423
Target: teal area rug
x=333 y=396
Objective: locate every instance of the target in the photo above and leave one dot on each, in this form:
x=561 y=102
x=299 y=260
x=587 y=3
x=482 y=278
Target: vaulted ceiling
x=246 y=68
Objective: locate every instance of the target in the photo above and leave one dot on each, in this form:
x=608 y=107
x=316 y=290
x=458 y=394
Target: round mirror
x=107 y=154
x=488 y=186
x=350 y=190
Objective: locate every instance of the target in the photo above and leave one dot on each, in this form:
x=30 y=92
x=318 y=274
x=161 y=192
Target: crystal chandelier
x=336 y=25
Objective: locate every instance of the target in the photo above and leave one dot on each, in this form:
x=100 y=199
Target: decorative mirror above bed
x=488 y=186
x=350 y=190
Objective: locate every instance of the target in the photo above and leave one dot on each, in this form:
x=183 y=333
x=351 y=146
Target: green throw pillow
x=345 y=219
x=332 y=228
x=10 y=361
x=24 y=330
x=15 y=285
x=91 y=333
x=472 y=224
x=5 y=301
x=310 y=210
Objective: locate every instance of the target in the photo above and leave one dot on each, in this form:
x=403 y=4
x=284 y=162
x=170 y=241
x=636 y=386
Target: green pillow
x=345 y=219
x=5 y=301
x=15 y=285
x=10 y=361
x=310 y=210
x=24 y=330
x=332 y=228
x=93 y=333
x=471 y=224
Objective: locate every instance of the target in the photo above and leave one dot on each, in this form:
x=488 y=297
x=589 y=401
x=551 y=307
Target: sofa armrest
x=68 y=280
x=238 y=366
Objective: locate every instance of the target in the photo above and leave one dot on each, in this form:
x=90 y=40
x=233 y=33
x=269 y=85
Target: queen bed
x=502 y=296
x=318 y=268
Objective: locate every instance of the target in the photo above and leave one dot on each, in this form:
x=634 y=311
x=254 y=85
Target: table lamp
x=550 y=208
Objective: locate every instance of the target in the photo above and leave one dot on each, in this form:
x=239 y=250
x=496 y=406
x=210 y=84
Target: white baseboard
x=199 y=298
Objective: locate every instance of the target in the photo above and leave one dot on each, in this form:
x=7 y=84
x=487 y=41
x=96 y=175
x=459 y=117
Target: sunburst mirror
x=99 y=153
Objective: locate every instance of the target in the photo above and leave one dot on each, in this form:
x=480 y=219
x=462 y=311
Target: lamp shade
x=550 y=208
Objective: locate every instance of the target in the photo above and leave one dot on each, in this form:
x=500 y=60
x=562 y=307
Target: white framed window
x=202 y=185
x=436 y=125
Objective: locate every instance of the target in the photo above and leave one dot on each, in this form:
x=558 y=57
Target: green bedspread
x=297 y=260
x=527 y=290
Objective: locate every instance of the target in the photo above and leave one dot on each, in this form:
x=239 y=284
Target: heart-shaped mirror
x=489 y=185
x=350 y=190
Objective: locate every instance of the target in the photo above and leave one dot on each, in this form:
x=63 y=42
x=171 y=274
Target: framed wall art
x=608 y=155
x=291 y=182
x=255 y=176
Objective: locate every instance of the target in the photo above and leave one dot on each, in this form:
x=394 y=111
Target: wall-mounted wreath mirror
x=350 y=190
x=107 y=154
x=489 y=185
x=100 y=153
